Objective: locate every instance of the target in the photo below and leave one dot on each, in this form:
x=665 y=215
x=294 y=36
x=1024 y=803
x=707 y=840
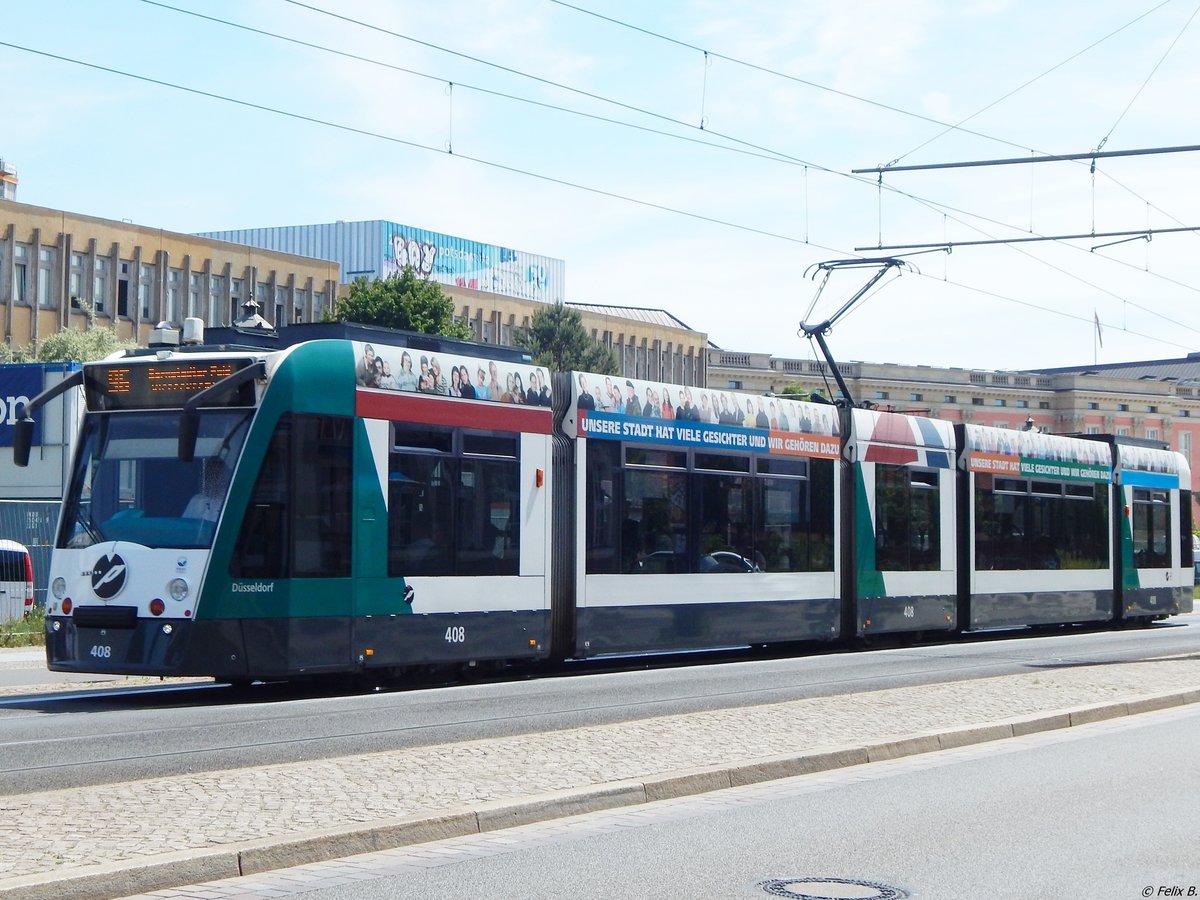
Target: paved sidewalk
x=188 y=828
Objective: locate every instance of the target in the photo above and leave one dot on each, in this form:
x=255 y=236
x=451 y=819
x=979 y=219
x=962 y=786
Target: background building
x=52 y=263
x=495 y=290
x=648 y=343
x=379 y=249
x=8 y=181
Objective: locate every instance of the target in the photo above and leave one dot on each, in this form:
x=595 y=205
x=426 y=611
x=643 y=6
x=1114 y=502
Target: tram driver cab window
x=206 y=503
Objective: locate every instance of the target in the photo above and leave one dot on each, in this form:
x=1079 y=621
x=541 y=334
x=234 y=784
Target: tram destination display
x=164 y=384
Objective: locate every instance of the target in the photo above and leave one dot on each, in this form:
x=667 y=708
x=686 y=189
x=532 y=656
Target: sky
x=689 y=155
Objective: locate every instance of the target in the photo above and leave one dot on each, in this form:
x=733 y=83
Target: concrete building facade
x=496 y=290
x=381 y=249
x=8 y=181
x=648 y=343
x=53 y=264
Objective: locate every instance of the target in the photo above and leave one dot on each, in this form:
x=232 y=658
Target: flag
x=1099 y=333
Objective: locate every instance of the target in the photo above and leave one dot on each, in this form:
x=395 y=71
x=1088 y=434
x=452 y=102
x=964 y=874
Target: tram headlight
x=178 y=589
x=59 y=587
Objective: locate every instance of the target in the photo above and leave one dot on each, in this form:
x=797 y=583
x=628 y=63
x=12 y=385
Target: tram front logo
x=108 y=576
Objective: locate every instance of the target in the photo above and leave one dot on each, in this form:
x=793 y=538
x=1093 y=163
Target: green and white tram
x=700 y=518
x=1038 y=549
x=1154 y=532
x=369 y=501
x=253 y=514
x=901 y=564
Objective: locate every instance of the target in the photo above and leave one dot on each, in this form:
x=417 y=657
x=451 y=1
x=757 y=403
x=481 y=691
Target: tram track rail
x=105 y=735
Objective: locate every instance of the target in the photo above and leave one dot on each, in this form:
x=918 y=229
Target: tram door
x=295 y=549
x=903 y=498
x=1154 y=533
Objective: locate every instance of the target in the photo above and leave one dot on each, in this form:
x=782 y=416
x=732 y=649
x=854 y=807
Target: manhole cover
x=822 y=888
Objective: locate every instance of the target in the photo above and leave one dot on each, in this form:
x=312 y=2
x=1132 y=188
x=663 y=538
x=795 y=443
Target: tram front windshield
x=130 y=485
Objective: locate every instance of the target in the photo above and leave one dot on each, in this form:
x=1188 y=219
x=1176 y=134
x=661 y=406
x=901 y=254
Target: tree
x=405 y=301
x=75 y=345
x=558 y=341
x=72 y=344
x=797 y=391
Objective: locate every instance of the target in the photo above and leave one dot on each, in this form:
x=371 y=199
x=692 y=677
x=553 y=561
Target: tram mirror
x=189 y=426
x=22 y=440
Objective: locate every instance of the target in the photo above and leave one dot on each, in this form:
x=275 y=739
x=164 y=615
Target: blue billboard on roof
x=469 y=264
x=378 y=249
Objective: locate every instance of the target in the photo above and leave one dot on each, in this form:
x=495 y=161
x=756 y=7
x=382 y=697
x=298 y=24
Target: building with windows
x=55 y=265
x=379 y=249
x=496 y=290
x=648 y=343
x=8 y=181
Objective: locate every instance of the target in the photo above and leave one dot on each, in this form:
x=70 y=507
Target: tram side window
x=486 y=518
x=658 y=515
x=725 y=518
x=1186 y=557
x=907 y=519
x=654 y=522
x=321 y=498
x=262 y=547
x=1083 y=538
x=453 y=503
x=601 y=544
x=794 y=525
x=1044 y=525
x=420 y=515
x=298 y=520
x=1000 y=526
x=1151 y=529
x=1021 y=524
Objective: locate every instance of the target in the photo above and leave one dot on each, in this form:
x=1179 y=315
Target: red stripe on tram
x=885 y=453
x=374 y=404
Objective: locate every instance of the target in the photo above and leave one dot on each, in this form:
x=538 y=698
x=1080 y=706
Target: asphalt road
x=1108 y=810
x=64 y=740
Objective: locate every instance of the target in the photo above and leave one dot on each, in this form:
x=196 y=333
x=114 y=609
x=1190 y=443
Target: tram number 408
x=100 y=651
x=456 y=634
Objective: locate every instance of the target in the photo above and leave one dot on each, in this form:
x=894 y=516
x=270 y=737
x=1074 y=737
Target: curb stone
x=121 y=879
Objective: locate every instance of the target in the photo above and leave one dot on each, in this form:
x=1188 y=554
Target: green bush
x=27 y=632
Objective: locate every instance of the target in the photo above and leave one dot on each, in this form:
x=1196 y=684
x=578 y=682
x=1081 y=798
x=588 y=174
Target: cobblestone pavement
x=59 y=830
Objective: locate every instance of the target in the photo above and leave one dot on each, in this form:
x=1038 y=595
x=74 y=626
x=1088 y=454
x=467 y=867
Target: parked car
x=16 y=581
